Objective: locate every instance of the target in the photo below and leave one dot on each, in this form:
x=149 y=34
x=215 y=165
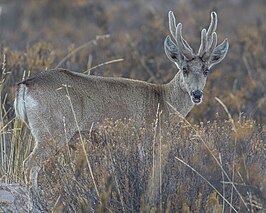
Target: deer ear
x=172 y=51
x=218 y=53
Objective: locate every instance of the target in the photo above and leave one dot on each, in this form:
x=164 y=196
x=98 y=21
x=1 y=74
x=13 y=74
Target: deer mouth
x=196 y=100
x=196 y=97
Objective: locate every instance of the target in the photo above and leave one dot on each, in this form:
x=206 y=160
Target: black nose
x=197 y=94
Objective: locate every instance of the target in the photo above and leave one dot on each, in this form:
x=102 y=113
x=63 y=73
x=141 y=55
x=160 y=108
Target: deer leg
x=31 y=169
x=46 y=146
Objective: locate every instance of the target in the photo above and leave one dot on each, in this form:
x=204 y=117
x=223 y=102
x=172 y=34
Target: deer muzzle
x=196 y=96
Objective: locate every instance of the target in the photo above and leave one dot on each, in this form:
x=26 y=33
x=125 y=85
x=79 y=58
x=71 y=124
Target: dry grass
x=121 y=158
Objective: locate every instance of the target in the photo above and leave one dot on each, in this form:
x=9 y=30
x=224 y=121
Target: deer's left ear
x=172 y=51
x=218 y=53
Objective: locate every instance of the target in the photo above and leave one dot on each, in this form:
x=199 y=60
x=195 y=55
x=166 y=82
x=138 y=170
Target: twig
x=102 y=64
x=194 y=170
x=235 y=141
x=82 y=142
x=248 y=67
x=220 y=157
x=116 y=181
x=94 y=41
x=227 y=112
x=153 y=146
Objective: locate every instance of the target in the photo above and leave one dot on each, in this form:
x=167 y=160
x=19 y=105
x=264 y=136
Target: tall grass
x=125 y=161
x=15 y=141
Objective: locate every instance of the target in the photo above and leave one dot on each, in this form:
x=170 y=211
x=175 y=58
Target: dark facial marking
x=173 y=56
x=205 y=72
x=185 y=70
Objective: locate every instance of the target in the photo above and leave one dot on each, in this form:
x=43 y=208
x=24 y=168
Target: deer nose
x=197 y=94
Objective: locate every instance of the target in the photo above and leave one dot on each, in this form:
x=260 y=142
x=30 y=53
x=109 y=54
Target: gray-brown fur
x=43 y=103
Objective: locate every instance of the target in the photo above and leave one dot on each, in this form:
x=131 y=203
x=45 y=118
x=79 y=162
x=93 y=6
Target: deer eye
x=185 y=70
x=205 y=72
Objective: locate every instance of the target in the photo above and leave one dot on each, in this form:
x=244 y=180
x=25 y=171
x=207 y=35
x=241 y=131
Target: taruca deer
x=56 y=103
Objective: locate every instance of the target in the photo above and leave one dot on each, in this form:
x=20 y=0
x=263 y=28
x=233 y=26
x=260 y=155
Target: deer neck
x=178 y=99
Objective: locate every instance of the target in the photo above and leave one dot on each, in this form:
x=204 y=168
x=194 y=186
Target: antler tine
x=187 y=45
x=185 y=48
x=172 y=23
x=203 y=43
x=211 y=47
x=212 y=28
x=182 y=43
x=209 y=38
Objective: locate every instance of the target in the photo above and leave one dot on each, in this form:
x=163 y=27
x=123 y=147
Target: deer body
x=96 y=98
x=58 y=103
x=55 y=104
x=93 y=99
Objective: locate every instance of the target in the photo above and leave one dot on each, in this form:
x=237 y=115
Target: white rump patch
x=31 y=102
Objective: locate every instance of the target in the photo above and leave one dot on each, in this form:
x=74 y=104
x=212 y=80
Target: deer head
x=194 y=67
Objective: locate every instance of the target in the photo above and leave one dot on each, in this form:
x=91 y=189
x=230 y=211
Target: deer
x=55 y=104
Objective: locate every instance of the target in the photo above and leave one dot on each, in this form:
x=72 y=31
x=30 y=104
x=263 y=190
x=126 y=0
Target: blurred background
x=37 y=35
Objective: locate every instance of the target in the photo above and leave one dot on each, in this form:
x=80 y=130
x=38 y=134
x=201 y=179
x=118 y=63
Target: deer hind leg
x=31 y=169
x=33 y=163
x=47 y=145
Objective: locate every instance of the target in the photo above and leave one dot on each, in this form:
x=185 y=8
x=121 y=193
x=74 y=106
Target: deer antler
x=208 y=39
x=176 y=32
